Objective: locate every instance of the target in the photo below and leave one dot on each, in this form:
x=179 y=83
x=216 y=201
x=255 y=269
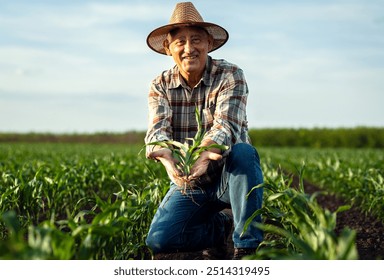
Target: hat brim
x=157 y=37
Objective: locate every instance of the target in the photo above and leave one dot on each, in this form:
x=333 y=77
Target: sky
x=84 y=66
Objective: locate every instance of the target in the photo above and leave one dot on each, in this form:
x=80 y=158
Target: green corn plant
x=296 y=226
x=187 y=154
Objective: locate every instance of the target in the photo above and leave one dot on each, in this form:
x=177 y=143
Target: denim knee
x=242 y=153
x=157 y=242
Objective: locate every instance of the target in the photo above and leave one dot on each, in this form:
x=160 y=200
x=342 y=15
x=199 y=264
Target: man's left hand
x=201 y=165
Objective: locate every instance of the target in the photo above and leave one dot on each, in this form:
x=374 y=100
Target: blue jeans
x=192 y=221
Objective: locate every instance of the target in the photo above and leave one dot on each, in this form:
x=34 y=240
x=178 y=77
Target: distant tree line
x=131 y=137
x=359 y=137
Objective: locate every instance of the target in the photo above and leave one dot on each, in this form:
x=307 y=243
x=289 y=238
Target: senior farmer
x=217 y=88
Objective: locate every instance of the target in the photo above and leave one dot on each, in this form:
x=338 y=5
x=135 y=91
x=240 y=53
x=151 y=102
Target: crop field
x=96 y=201
x=357 y=175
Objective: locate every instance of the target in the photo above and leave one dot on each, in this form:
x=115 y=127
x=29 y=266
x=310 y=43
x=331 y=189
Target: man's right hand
x=164 y=155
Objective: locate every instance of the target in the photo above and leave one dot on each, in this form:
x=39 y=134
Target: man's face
x=189 y=48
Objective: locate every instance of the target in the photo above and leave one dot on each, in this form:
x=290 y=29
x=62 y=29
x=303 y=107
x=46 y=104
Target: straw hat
x=185 y=14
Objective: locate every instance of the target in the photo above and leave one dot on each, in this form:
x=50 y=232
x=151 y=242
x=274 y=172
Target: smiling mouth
x=191 y=57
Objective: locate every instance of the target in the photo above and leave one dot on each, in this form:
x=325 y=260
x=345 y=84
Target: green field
x=356 y=175
x=96 y=201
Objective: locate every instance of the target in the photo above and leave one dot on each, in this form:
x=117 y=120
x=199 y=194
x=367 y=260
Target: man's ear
x=166 y=46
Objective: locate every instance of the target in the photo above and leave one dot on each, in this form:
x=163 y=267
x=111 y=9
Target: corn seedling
x=187 y=154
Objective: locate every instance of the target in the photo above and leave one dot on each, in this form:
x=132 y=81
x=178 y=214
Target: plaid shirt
x=220 y=96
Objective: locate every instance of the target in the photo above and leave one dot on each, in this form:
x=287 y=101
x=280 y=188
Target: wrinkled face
x=189 y=48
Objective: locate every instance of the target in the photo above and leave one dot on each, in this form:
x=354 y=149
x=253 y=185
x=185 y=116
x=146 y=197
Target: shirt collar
x=177 y=80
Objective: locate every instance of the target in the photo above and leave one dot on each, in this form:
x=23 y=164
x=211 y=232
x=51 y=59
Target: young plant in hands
x=191 y=160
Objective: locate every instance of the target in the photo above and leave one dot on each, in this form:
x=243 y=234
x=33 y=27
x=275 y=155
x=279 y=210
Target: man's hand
x=201 y=165
x=170 y=164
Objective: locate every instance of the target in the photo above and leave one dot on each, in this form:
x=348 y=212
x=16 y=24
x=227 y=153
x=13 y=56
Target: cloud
x=84 y=47
x=301 y=58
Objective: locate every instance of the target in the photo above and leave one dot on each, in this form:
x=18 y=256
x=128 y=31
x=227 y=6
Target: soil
x=369 y=229
x=369 y=232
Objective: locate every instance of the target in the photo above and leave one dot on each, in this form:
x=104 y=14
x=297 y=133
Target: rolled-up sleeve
x=230 y=111
x=159 y=116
